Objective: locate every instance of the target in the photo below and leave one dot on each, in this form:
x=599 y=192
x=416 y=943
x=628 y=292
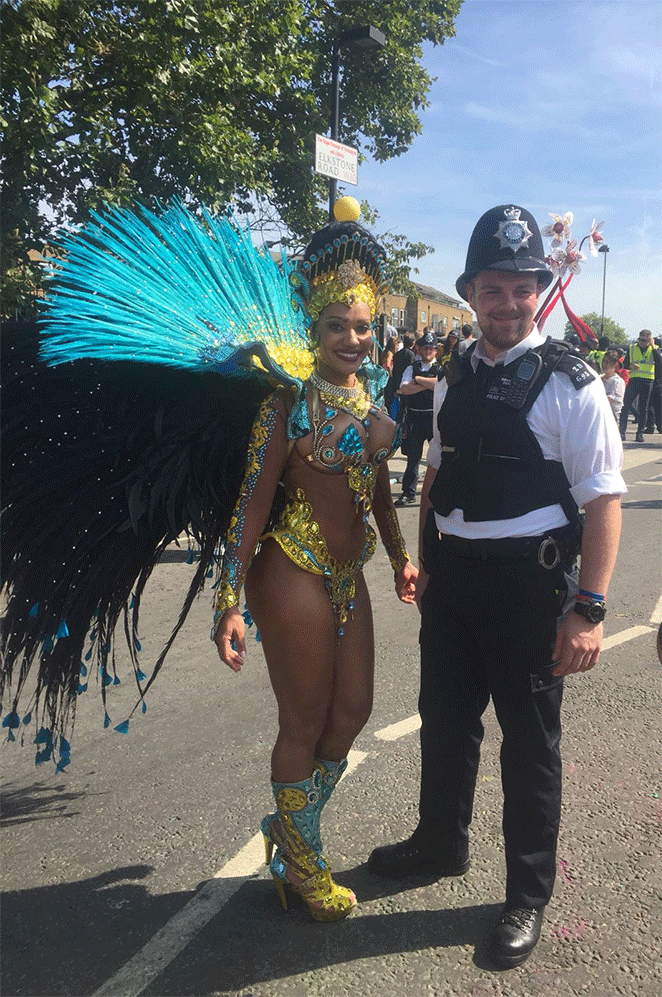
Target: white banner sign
x=336 y=160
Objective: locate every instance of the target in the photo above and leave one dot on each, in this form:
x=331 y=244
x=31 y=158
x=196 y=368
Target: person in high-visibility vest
x=655 y=401
x=640 y=361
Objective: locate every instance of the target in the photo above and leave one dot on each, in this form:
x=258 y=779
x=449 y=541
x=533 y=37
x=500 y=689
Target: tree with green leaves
x=213 y=102
x=614 y=332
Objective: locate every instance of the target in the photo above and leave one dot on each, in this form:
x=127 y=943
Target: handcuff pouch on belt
x=558 y=547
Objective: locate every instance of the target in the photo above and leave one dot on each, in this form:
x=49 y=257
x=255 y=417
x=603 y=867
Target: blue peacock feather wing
x=175 y=289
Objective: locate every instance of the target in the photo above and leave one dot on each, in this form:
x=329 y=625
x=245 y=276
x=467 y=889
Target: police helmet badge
x=513 y=233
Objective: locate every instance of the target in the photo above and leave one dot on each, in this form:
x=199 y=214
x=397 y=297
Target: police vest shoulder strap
x=557 y=355
x=458 y=367
x=569 y=362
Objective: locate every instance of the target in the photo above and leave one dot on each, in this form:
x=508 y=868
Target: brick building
x=429 y=308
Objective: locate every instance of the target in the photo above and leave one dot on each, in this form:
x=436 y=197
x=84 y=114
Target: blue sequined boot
x=298 y=862
x=325 y=777
x=331 y=773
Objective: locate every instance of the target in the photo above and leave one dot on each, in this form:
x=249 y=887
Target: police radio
x=513 y=387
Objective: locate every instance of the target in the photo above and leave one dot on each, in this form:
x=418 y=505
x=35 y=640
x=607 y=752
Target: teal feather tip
x=173 y=288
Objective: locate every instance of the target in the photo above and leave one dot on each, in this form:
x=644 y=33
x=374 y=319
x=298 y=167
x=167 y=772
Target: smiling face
x=505 y=304
x=427 y=353
x=345 y=337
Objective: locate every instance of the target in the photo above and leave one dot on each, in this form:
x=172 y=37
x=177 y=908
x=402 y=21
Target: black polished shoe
x=516 y=935
x=405 y=500
x=639 y=438
x=405 y=858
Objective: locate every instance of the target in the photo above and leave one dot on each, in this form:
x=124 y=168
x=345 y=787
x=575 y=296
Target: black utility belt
x=550 y=548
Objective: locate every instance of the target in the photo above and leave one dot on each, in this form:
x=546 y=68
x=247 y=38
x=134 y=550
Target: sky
x=554 y=105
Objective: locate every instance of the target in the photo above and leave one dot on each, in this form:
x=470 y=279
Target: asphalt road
x=137 y=871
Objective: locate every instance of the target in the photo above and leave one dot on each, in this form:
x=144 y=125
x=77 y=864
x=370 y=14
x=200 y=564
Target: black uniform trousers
x=419 y=431
x=639 y=388
x=654 y=418
x=487 y=630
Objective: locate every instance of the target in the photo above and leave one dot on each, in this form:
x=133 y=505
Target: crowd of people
x=632 y=378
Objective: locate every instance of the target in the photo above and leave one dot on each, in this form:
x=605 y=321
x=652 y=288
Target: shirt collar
x=535 y=338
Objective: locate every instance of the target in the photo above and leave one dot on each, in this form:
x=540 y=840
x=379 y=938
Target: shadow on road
x=22 y=804
x=181 y=556
x=252 y=941
x=66 y=939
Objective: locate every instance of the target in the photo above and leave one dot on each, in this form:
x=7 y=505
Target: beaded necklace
x=353 y=400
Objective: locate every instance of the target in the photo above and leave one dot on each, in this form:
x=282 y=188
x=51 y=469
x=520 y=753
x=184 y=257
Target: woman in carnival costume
x=309 y=566
x=201 y=328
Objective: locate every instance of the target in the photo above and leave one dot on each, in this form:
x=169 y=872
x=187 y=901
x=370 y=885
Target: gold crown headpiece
x=342 y=263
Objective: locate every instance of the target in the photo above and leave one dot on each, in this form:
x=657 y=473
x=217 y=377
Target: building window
x=424 y=315
x=444 y=321
x=403 y=317
x=456 y=323
x=394 y=316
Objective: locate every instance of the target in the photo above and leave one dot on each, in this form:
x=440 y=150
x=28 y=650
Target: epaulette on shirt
x=558 y=355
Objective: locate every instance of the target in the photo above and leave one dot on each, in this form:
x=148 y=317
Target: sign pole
x=335 y=102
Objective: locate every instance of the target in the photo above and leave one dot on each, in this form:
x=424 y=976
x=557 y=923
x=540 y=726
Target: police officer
x=524 y=437
x=417 y=386
x=640 y=361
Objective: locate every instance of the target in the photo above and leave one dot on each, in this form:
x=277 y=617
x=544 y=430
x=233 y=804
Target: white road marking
x=624 y=636
x=394 y=731
x=159 y=952
x=413 y=723
x=634 y=458
x=656 y=618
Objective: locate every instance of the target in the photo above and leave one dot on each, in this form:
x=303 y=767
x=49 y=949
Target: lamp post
x=364 y=37
x=604 y=248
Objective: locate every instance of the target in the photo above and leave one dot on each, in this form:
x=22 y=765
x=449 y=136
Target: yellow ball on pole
x=346 y=209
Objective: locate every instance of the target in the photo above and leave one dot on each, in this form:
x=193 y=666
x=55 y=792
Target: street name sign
x=336 y=160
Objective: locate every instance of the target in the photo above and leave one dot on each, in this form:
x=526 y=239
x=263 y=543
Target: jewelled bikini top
x=338 y=450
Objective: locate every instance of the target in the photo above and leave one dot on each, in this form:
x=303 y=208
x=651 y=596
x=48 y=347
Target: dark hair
x=408 y=340
x=467 y=329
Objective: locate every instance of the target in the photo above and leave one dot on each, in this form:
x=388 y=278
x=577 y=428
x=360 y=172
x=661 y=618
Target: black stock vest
x=422 y=399
x=492 y=466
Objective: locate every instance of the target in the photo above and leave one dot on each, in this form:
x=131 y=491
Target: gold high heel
x=297 y=863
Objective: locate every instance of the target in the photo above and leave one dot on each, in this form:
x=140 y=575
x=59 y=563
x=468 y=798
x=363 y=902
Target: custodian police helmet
x=505 y=238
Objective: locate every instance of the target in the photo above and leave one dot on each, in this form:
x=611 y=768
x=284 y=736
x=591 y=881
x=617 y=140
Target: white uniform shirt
x=573 y=426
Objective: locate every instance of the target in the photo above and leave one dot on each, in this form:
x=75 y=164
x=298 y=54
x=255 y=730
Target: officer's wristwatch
x=593 y=611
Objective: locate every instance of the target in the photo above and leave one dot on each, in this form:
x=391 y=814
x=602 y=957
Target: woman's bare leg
x=353 y=680
x=293 y=614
